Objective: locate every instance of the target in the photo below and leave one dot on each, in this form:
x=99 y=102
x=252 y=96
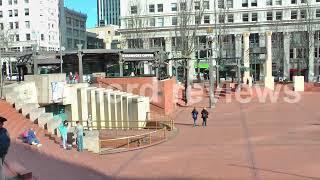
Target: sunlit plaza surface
x=242 y=141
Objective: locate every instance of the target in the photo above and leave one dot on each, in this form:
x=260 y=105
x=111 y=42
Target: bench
x=18 y=169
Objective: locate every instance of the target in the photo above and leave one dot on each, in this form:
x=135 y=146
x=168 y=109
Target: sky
x=88 y=7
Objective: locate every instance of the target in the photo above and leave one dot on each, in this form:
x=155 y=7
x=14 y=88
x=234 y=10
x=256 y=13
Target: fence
x=158 y=135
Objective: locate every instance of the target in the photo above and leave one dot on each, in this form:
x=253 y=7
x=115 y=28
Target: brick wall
x=161 y=93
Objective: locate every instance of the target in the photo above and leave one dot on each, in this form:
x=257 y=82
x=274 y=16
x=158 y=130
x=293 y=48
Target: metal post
x=80 y=62
x=211 y=79
x=1 y=76
x=120 y=65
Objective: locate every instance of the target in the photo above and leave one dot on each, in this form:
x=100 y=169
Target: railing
x=129 y=125
x=131 y=142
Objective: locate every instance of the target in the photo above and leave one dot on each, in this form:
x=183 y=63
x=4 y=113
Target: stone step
x=44 y=118
x=35 y=113
x=27 y=108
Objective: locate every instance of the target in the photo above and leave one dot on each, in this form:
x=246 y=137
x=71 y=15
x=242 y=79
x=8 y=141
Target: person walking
x=194 y=116
x=204 y=114
x=4 y=145
x=79 y=133
x=63 y=128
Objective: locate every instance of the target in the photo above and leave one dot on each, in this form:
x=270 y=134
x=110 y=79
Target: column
x=120 y=65
x=311 y=57
x=168 y=50
x=262 y=44
x=246 y=59
x=286 y=56
x=80 y=55
x=269 y=79
x=146 y=67
x=238 y=51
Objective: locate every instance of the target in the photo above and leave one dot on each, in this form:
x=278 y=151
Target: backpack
x=4 y=142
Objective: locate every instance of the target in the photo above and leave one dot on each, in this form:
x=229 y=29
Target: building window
x=206 y=19
x=174 y=7
x=1 y=14
x=279 y=15
x=244 y=3
x=254 y=17
x=1 y=26
x=10 y=13
x=82 y=24
x=183 y=6
x=134 y=9
x=254 y=3
x=69 y=32
x=269 y=2
x=26 y=11
x=0 y=2
x=69 y=21
x=11 y=25
x=318 y=13
x=42 y=37
x=293 y=1
x=16 y=12
x=17 y=37
x=174 y=21
x=229 y=3
x=221 y=4
x=245 y=17
x=10 y=2
x=278 y=2
x=28 y=37
x=269 y=16
x=160 y=7
x=303 y=14
x=27 y=23
x=197 y=5
x=221 y=19
x=230 y=18
x=15 y=1
x=26 y=1
x=294 y=14
x=206 y=5
x=152 y=22
x=197 y=19
x=303 y=1
x=151 y=8
x=160 y=22
x=17 y=25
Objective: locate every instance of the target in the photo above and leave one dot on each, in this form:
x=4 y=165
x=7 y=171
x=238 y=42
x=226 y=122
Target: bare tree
x=189 y=16
x=6 y=40
x=305 y=39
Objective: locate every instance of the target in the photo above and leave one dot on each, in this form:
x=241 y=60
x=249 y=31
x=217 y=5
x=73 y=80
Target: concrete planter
x=298 y=83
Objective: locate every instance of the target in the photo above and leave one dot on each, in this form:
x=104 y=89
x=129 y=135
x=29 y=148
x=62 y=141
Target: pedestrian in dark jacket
x=204 y=115
x=4 y=145
x=194 y=116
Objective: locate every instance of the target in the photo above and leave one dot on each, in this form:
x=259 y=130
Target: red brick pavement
x=258 y=141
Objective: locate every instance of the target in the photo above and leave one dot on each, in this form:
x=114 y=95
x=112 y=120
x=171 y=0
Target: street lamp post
x=211 y=72
x=61 y=60
x=80 y=62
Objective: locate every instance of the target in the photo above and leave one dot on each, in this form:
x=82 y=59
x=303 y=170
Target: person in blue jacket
x=194 y=116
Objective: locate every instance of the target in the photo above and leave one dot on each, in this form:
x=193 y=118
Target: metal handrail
x=137 y=138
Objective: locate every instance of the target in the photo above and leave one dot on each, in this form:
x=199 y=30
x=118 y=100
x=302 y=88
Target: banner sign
x=57 y=91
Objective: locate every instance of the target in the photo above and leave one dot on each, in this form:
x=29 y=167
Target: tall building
x=108 y=12
x=243 y=27
x=73 y=28
x=29 y=23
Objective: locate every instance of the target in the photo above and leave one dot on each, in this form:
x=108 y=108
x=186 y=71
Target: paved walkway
x=271 y=141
